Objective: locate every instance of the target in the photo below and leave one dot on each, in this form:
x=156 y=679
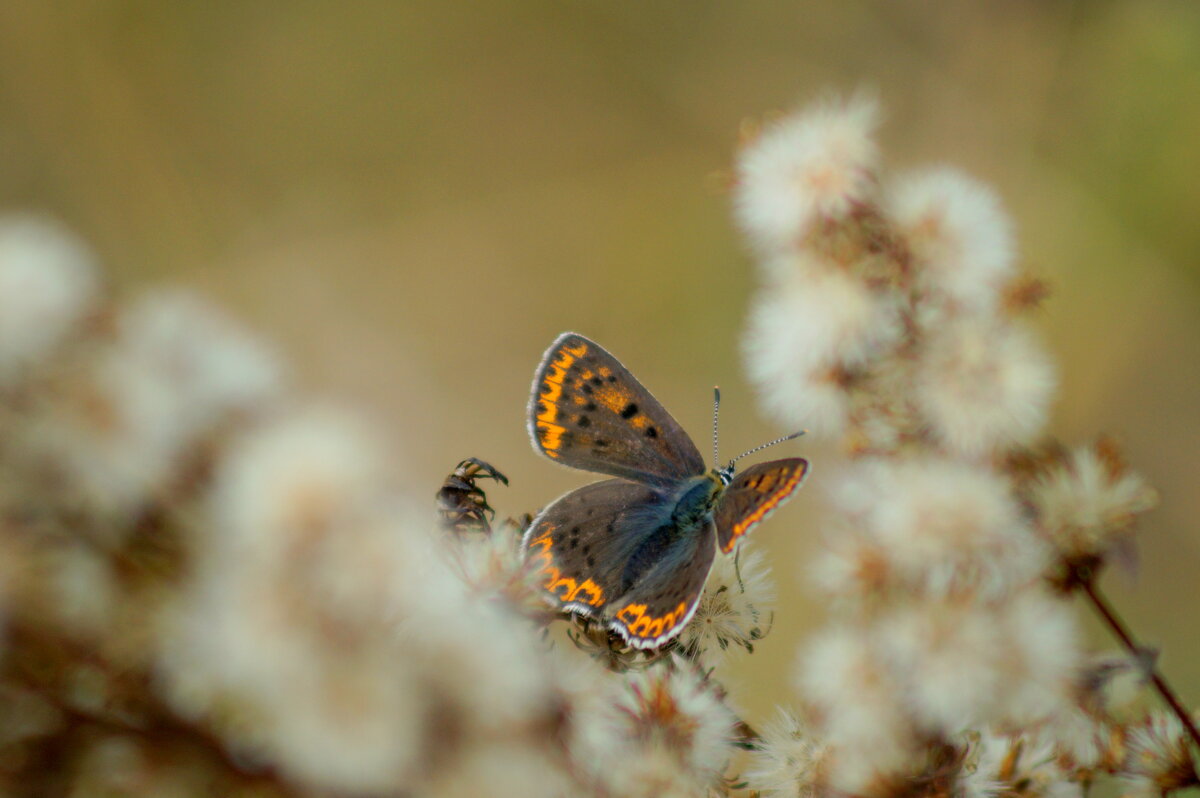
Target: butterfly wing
x=581 y=542
x=610 y=551
x=753 y=495
x=587 y=411
x=661 y=603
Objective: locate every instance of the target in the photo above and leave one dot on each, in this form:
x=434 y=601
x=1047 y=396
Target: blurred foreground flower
x=211 y=585
x=889 y=322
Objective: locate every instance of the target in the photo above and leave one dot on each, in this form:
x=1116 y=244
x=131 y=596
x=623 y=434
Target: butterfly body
x=633 y=551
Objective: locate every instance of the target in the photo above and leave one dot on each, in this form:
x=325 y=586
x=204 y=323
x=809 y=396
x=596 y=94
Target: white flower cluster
x=208 y=586
x=883 y=315
x=888 y=321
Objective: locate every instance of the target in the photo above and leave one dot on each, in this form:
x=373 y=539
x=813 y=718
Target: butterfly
x=633 y=552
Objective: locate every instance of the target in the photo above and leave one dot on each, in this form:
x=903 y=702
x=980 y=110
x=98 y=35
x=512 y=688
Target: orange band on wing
x=563 y=588
x=763 y=510
x=550 y=433
x=642 y=625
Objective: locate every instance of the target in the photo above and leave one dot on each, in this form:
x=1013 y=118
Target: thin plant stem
x=1123 y=633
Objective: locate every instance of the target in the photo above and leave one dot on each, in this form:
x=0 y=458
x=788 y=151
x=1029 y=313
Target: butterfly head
x=725 y=475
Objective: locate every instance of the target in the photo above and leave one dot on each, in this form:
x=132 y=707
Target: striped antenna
x=716 y=411
x=765 y=445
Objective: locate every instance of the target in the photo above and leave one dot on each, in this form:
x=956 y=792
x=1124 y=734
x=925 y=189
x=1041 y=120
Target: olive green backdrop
x=413 y=198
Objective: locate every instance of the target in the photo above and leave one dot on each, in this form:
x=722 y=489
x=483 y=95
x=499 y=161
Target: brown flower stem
x=747 y=737
x=1126 y=637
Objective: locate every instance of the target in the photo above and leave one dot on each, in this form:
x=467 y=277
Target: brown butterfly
x=634 y=552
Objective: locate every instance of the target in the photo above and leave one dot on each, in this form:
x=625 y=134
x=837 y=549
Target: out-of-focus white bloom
x=927 y=526
x=736 y=609
x=1083 y=740
x=795 y=392
x=1010 y=765
x=822 y=314
x=982 y=384
x=114 y=426
x=81 y=589
x=788 y=760
x=948 y=656
x=492 y=565
x=817 y=163
x=290 y=614
x=1159 y=757
x=1085 y=504
x=670 y=705
x=661 y=731
x=960 y=238
x=1043 y=655
x=47 y=283
x=801 y=333
x=963 y=664
x=325 y=614
x=135 y=767
x=211 y=365
x=309 y=472
x=863 y=718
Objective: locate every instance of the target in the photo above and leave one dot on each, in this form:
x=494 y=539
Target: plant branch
x=1123 y=633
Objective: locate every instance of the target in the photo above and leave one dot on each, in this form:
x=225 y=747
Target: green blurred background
x=413 y=198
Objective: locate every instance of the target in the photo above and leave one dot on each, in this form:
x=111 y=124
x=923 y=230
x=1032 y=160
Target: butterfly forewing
x=587 y=411
x=753 y=495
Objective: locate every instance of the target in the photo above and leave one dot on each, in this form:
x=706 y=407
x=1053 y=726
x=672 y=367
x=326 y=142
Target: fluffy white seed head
x=47 y=283
x=1159 y=757
x=1043 y=656
x=946 y=655
x=114 y=422
x=926 y=526
x=863 y=718
x=788 y=761
x=816 y=163
x=960 y=239
x=823 y=314
x=323 y=610
x=1085 y=505
x=672 y=706
x=736 y=610
x=1026 y=764
x=804 y=331
x=982 y=384
x=211 y=365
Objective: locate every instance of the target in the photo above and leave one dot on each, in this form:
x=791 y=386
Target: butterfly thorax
x=696 y=499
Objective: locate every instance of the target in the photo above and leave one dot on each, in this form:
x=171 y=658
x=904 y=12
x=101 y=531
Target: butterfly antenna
x=716 y=411
x=765 y=445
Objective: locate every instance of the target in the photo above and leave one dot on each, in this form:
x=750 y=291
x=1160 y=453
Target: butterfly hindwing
x=753 y=495
x=611 y=551
x=661 y=603
x=587 y=411
x=582 y=542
